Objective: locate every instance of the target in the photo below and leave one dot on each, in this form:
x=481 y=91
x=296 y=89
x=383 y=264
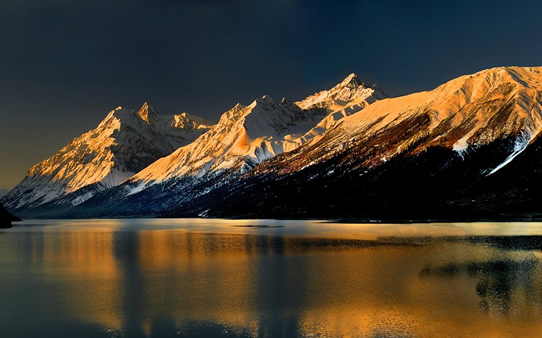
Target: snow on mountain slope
x=462 y=114
x=125 y=142
x=246 y=136
x=351 y=91
x=243 y=137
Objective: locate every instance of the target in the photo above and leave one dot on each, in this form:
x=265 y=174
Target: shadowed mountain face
x=435 y=184
x=470 y=149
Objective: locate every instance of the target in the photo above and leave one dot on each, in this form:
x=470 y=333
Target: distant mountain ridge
x=346 y=152
x=131 y=141
x=244 y=137
x=124 y=143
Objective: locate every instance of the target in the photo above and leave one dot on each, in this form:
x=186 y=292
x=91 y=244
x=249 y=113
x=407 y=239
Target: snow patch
x=461 y=145
x=130 y=190
x=520 y=145
x=82 y=198
x=204 y=213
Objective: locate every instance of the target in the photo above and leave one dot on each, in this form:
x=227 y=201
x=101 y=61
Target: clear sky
x=65 y=63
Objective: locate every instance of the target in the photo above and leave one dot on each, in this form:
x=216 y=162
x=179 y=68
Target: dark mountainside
x=434 y=185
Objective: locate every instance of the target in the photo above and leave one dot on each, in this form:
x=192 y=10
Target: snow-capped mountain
x=448 y=152
x=468 y=149
x=248 y=135
x=244 y=137
x=350 y=93
x=463 y=114
x=124 y=143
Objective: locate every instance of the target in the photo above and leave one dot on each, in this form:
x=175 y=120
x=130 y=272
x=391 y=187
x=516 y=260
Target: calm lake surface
x=268 y=278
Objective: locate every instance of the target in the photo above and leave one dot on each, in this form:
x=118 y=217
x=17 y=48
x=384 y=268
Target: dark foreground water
x=171 y=278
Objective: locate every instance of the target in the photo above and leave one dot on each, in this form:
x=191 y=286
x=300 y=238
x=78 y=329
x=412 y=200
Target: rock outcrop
x=6 y=218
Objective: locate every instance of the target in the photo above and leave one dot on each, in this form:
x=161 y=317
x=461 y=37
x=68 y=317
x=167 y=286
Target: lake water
x=268 y=278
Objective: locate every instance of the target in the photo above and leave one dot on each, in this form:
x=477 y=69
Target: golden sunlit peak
x=351 y=78
x=144 y=112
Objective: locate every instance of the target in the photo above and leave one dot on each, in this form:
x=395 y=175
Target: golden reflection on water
x=192 y=276
x=132 y=282
x=83 y=265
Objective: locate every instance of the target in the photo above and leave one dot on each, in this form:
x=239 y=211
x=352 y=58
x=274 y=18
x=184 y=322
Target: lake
x=269 y=278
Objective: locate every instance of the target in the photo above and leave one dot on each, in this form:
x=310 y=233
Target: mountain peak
x=350 y=91
x=114 y=117
x=145 y=111
x=188 y=121
x=233 y=114
x=266 y=99
x=351 y=80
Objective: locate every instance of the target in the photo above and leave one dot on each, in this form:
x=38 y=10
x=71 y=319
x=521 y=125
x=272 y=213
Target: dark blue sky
x=65 y=63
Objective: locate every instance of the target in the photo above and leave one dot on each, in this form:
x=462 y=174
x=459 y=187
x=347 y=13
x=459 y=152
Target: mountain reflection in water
x=152 y=278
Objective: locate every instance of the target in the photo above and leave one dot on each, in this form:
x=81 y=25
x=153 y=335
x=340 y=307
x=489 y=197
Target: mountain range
x=469 y=149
